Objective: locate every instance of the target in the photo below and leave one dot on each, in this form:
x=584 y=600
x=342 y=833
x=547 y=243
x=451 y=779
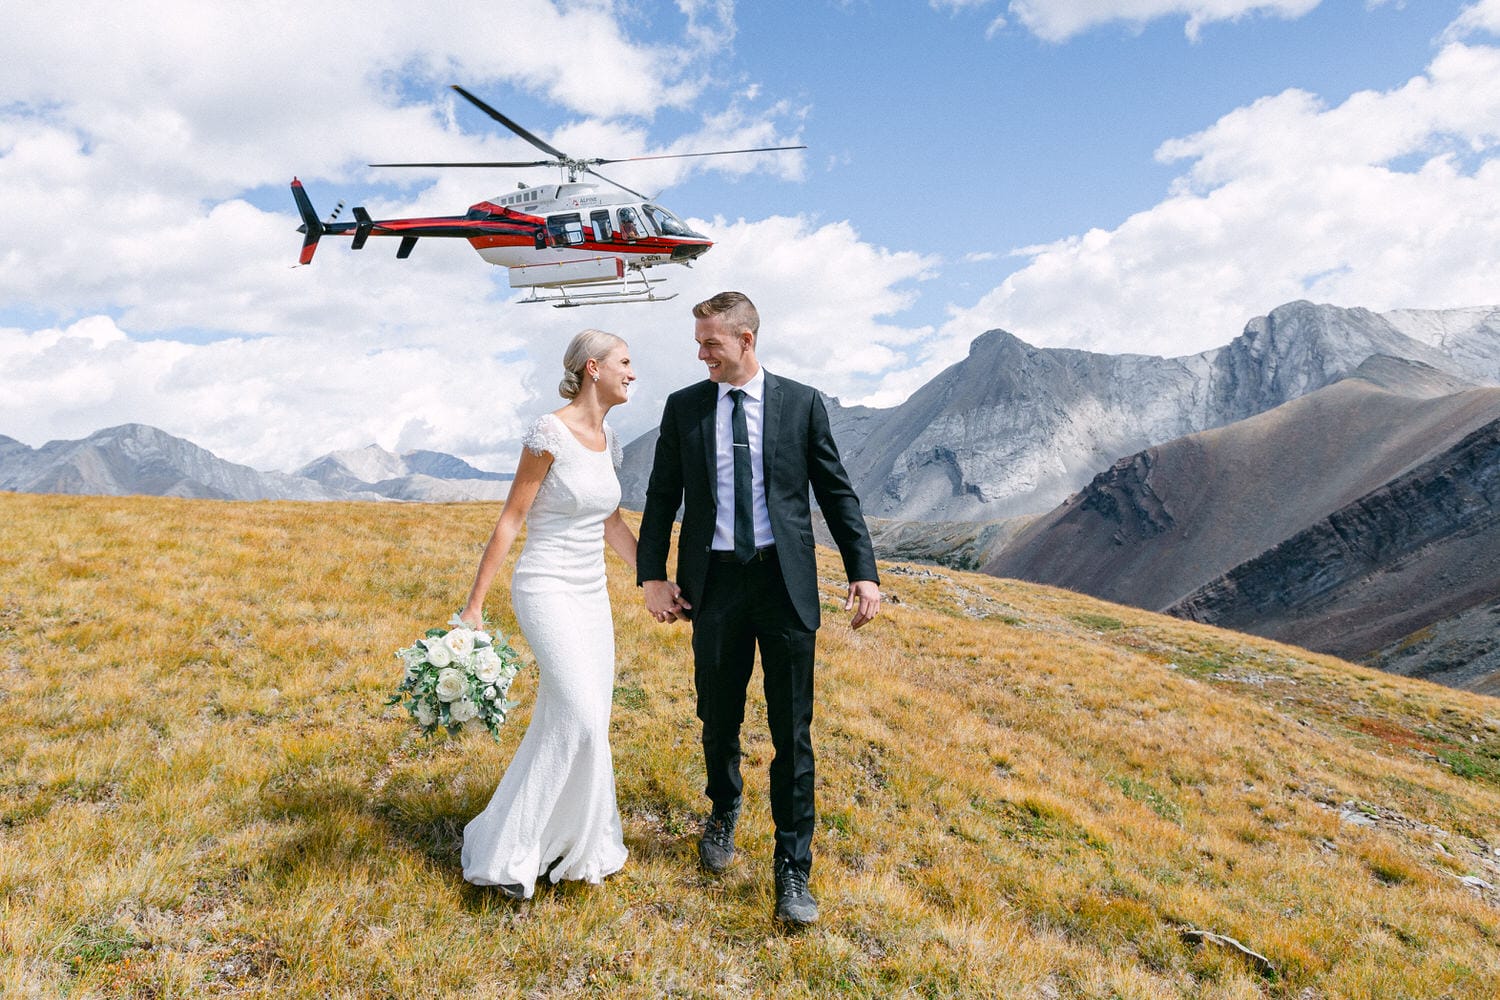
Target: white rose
x=487 y=665
x=463 y=711
x=460 y=642
x=437 y=653
x=425 y=715
x=450 y=685
x=490 y=694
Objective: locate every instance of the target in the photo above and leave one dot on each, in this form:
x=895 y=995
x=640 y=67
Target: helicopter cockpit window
x=667 y=223
x=567 y=230
x=630 y=224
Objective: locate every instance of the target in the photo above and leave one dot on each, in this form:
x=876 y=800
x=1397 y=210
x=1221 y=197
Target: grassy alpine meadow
x=1022 y=792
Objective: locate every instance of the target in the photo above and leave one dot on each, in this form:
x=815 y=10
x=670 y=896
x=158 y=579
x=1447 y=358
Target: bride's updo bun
x=587 y=344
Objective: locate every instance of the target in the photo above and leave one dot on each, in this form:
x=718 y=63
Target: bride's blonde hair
x=585 y=345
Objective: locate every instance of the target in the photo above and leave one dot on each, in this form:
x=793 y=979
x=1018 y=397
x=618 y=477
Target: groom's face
x=725 y=351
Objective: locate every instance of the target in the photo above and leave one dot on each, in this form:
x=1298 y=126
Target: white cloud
x=826 y=298
x=1391 y=199
x=1479 y=18
x=1060 y=20
x=270 y=402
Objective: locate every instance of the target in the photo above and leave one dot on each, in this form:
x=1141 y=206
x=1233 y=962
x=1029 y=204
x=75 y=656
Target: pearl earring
x=596 y=378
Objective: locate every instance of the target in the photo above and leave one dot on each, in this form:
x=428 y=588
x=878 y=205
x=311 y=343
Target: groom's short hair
x=736 y=308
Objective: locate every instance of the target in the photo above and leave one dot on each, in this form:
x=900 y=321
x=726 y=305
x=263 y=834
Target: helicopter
x=572 y=243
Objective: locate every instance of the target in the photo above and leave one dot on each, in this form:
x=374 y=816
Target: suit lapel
x=770 y=427
x=707 y=429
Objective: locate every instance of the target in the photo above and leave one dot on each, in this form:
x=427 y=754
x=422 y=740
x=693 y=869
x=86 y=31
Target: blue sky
x=1115 y=175
x=1043 y=138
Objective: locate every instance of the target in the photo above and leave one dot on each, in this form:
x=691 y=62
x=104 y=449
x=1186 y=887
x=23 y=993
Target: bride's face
x=615 y=375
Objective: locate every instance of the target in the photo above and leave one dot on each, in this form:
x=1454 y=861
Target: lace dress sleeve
x=544 y=436
x=616 y=453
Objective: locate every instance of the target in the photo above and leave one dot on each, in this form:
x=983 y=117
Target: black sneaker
x=794 y=904
x=716 y=846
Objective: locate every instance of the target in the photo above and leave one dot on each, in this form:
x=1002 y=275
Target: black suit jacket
x=798 y=452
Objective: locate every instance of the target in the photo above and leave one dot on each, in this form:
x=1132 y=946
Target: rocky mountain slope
x=1244 y=526
x=1160 y=523
x=137 y=459
x=1419 y=551
x=1015 y=429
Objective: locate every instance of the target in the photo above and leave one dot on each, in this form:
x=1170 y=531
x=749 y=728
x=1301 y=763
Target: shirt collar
x=755 y=388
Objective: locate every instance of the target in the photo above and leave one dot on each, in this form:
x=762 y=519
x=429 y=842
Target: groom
x=739 y=453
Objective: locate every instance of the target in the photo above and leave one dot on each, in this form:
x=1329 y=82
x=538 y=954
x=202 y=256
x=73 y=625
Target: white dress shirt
x=755 y=396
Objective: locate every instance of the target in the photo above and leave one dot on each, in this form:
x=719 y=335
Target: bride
x=554 y=811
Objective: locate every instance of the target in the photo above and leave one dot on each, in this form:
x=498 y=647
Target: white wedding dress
x=554 y=811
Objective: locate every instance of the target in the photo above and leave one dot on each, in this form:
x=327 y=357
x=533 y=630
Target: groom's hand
x=864 y=595
x=664 y=600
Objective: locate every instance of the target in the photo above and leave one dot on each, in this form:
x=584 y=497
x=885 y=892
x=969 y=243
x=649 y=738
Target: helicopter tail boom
x=311 y=227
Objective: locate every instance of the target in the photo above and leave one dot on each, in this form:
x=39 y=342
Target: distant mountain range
x=137 y=459
x=415 y=475
x=1329 y=478
x=1015 y=429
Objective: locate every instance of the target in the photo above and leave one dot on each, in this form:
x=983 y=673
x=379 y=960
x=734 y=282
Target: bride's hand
x=665 y=601
x=470 y=619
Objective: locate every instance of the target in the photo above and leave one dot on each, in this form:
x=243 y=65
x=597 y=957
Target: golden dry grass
x=1023 y=792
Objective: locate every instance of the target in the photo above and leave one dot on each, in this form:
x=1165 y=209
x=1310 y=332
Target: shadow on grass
x=337 y=821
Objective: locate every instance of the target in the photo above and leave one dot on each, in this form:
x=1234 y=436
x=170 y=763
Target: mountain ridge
x=140 y=459
x=1015 y=429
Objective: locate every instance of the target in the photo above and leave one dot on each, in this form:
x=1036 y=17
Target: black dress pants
x=745 y=605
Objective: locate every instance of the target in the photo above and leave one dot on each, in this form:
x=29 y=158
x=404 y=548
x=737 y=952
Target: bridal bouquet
x=457 y=677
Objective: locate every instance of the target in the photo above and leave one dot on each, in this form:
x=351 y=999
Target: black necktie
x=744 y=517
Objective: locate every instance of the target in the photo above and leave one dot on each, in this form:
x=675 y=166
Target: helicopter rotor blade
x=494 y=163
x=563 y=160
x=717 y=152
x=517 y=129
x=617 y=184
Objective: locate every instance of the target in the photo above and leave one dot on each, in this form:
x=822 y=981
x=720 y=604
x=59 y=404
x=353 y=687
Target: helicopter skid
x=639 y=288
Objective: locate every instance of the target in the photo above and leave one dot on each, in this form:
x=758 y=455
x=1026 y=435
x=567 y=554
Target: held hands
x=665 y=601
x=864 y=595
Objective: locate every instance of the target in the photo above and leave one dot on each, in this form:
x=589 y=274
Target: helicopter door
x=602 y=229
x=630 y=225
x=566 y=230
